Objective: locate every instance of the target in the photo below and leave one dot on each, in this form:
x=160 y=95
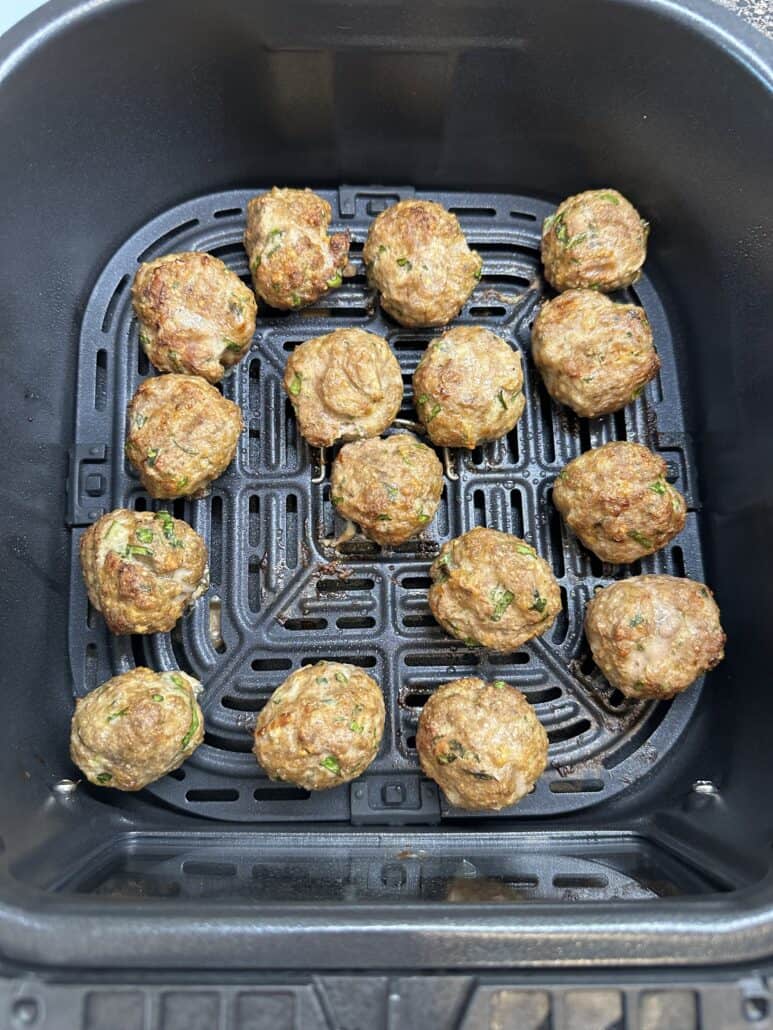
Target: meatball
x=195 y=315
x=616 y=499
x=344 y=386
x=136 y=728
x=182 y=433
x=322 y=727
x=143 y=569
x=472 y=890
x=418 y=259
x=492 y=590
x=593 y=354
x=481 y=743
x=652 y=636
x=468 y=388
x=391 y=488
x=292 y=259
x=595 y=240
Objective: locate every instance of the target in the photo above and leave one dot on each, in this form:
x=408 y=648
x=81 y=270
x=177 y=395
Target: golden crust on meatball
x=595 y=240
x=391 y=488
x=292 y=258
x=493 y=590
x=195 y=315
x=481 y=743
x=322 y=727
x=136 y=728
x=594 y=355
x=346 y=385
x=418 y=259
x=468 y=388
x=182 y=434
x=142 y=569
x=652 y=636
x=617 y=500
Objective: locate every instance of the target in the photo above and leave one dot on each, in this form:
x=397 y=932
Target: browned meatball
x=322 y=727
x=346 y=385
x=492 y=590
x=616 y=499
x=292 y=259
x=418 y=259
x=481 y=743
x=468 y=387
x=195 y=315
x=136 y=728
x=595 y=239
x=593 y=354
x=391 y=488
x=143 y=569
x=182 y=433
x=472 y=890
x=652 y=636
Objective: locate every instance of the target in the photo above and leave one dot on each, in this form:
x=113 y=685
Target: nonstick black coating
x=285 y=596
x=114 y=113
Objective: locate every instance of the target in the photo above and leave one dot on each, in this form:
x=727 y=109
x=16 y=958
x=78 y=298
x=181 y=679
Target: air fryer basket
x=135 y=128
x=284 y=595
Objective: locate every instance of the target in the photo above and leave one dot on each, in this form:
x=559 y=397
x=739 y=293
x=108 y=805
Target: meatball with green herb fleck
x=346 y=385
x=136 y=728
x=195 y=315
x=594 y=355
x=143 y=569
x=481 y=743
x=468 y=388
x=653 y=636
x=417 y=257
x=617 y=500
x=322 y=727
x=181 y=435
x=391 y=488
x=292 y=258
x=493 y=590
x=595 y=240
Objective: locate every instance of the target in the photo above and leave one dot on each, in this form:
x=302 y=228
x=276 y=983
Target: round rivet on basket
x=706 y=788
x=25 y=1012
x=65 y=788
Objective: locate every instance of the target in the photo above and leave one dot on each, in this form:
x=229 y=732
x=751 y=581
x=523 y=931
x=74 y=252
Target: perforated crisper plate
x=286 y=598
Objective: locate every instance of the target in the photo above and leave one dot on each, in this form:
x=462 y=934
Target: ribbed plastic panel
x=282 y=596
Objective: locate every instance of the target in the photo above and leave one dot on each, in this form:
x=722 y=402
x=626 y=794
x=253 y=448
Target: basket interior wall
x=445 y=106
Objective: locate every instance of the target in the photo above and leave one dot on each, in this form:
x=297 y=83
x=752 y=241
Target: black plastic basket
x=283 y=595
x=134 y=128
